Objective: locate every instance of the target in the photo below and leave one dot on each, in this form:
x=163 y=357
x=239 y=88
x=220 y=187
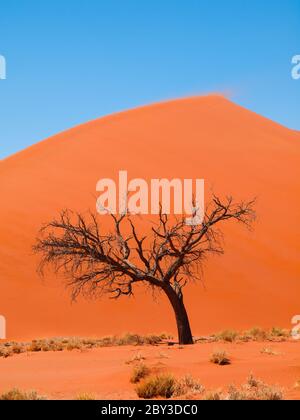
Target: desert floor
x=105 y=372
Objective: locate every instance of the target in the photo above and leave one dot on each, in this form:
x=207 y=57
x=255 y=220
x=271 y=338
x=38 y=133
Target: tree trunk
x=183 y=324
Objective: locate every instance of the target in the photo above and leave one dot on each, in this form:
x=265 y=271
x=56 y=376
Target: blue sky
x=70 y=61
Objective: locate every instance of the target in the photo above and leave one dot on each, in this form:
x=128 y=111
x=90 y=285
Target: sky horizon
x=71 y=63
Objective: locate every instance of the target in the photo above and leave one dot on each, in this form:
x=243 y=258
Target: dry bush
x=220 y=358
x=157 y=386
x=252 y=390
x=85 y=397
x=229 y=336
x=73 y=343
x=187 y=385
x=141 y=371
x=213 y=396
x=135 y=359
x=167 y=386
x=17 y=395
x=257 y=334
x=269 y=351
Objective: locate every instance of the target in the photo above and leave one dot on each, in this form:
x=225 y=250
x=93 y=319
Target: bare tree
x=167 y=259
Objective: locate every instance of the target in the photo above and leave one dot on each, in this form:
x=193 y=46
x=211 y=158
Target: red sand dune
x=237 y=152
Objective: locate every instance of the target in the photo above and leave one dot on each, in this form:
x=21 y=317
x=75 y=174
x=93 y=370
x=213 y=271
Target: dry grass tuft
x=85 y=397
x=220 y=358
x=141 y=371
x=269 y=351
x=167 y=386
x=187 y=386
x=157 y=386
x=82 y=344
x=17 y=395
x=252 y=390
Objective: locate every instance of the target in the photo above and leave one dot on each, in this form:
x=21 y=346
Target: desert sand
x=105 y=373
x=256 y=282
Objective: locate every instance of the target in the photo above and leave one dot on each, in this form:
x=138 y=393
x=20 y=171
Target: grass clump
x=220 y=358
x=82 y=344
x=229 y=336
x=253 y=390
x=157 y=386
x=85 y=397
x=141 y=371
x=269 y=351
x=187 y=385
x=17 y=395
x=167 y=386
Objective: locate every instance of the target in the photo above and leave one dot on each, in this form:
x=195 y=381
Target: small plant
x=17 y=395
x=279 y=333
x=257 y=334
x=269 y=351
x=157 y=386
x=220 y=358
x=140 y=372
x=136 y=358
x=187 y=385
x=229 y=336
x=213 y=396
x=85 y=397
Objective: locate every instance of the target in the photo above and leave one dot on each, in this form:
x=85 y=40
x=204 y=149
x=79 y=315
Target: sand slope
x=257 y=282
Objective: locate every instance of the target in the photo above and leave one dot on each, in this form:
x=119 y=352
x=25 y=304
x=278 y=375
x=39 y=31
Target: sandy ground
x=105 y=372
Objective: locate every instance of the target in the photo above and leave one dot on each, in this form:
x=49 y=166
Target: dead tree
x=167 y=259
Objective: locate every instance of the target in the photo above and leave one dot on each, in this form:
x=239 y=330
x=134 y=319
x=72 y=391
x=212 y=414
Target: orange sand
x=237 y=152
x=105 y=372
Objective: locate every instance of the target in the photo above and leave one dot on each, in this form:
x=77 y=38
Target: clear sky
x=70 y=61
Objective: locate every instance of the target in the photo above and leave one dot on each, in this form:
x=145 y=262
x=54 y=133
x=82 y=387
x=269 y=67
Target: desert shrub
x=255 y=390
x=228 y=336
x=136 y=358
x=17 y=395
x=35 y=346
x=220 y=358
x=85 y=397
x=157 y=386
x=257 y=334
x=213 y=396
x=269 y=351
x=279 y=333
x=252 y=390
x=5 y=352
x=60 y=344
x=187 y=385
x=141 y=371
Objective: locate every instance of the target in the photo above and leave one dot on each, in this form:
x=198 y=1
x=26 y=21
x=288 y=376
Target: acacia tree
x=166 y=260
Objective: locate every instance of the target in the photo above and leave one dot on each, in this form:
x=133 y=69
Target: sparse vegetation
x=167 y=386
x=228 y=336
x=141 y=371
x=85 y=397
x=17 y=395
x=60 y=344
x=254 y=334
x=157 y=386
x=253 y=390
x=187 y=386
x=220 y=358
x=269 y=351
